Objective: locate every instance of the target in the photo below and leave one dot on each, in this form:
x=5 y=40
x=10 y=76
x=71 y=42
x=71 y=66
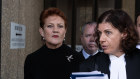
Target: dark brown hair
x=121 y=21
x=50 y=12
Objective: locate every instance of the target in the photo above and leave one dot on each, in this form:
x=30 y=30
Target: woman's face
x=53 y=31
x=110 y=38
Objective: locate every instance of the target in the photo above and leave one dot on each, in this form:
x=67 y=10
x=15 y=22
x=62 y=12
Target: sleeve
x=28 y=68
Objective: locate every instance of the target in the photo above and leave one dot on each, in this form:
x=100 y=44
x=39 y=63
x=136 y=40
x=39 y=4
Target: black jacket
x=82 y=54
x=101 y=63
x=48 y=63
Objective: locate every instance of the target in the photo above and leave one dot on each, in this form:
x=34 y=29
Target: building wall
x=129 y=7
x=24 y=12
x=66 y=7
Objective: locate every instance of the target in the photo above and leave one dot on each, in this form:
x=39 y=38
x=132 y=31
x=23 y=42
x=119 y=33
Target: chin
x=57 y=43
x=106 y=52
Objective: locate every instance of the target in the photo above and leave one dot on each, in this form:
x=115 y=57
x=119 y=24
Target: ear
x=124 y=35
x=41 y=31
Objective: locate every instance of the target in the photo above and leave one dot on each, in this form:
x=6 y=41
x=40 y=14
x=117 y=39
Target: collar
x=86 y=55
x=113 y=57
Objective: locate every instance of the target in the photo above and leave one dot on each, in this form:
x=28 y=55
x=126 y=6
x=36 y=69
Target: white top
x=86 y=55
x=117 y=67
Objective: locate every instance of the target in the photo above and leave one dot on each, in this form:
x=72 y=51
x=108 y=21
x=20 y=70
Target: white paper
x=93 y=72
x=89 y=75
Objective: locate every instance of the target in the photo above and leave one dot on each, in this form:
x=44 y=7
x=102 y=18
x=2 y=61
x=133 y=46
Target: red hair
x=50 y=12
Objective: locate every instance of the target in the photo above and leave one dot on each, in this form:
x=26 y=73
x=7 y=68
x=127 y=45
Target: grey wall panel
x=24 y=12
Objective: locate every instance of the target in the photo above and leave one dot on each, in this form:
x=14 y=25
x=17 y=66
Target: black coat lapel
x=103 y=62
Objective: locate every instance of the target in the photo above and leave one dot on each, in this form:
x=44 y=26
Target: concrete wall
x=24 y=12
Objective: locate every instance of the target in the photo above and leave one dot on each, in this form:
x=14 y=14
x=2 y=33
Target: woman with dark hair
x=117 y=37
x=54 y=60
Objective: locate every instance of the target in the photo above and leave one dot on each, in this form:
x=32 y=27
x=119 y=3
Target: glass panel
x=84 y=14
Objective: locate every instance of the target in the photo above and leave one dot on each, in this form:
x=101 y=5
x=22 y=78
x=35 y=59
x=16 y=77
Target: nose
x=102 y=38
x=92 y=39
x=55 y=29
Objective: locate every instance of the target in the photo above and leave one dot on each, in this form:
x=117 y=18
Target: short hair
x=50 y=12
x=88 y=23
x=121 y=21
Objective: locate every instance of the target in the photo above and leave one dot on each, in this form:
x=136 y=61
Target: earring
x=43 y=38
x=64 y=40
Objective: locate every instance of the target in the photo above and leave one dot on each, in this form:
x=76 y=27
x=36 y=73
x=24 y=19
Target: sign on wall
x=17 y=39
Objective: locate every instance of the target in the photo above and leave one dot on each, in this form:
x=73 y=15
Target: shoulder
x=134 y=54
x=89 y=63
x=137 y=51
x=35 y=54
x=93 y=58
x=69 y=50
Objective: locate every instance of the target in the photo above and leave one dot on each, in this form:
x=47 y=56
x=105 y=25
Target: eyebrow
x=105 y=30
x=61 y=23
x=108 y=29
x=49 y=23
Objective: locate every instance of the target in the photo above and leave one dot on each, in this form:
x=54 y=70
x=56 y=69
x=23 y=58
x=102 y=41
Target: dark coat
x=82 y=54
x=48 y=63
x=101 y=63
